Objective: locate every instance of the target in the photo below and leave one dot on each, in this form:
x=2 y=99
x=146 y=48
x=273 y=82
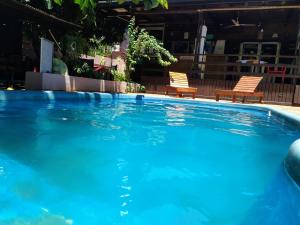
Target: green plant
x=129 y=88
x=74 y=45
x=91 y=4
x=83 y=69
x=88 y=6
x=118 y=76
x=99 y=75
x=142 y=46
x=142 y=89
x=97 y=46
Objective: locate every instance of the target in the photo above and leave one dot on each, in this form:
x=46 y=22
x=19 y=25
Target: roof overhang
x=219 y=9
x=197 y=6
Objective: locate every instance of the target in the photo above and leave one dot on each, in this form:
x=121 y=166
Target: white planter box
x=57 y=82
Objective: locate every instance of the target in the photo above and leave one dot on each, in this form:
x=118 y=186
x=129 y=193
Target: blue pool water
x=144 y=163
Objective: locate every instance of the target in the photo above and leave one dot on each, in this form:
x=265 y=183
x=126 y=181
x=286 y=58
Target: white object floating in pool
x=269 y=113
x=2 y=170
x=124 y=204
x=69 y=221
x=124 y=179
x=50 y=96
x=124 y=196
x=126 y=187
x=123 y=213
x=64 y=118
x=45 y=210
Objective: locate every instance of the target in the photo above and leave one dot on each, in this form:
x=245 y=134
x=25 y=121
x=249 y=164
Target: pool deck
x=290 y=109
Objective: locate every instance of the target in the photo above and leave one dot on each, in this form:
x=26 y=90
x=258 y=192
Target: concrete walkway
x=291 y=109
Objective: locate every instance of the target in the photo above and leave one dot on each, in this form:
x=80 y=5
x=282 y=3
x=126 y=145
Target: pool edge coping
x=63 y=95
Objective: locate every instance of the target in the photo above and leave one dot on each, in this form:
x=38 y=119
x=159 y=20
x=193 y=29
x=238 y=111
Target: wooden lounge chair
x=244 y=88
x=179 y=83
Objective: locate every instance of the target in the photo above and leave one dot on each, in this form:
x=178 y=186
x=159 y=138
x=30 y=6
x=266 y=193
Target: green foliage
x=88 y=6
x=118 y=76
x=129 y=88
x=100 y=75
x=86 y=13
x=97 y=46
x=83 y=69
x=59 y=67
x=59 y=2
x=142 y=89
x=74 y=45
x=91 y=4
x=142 y=46
x=149 y=4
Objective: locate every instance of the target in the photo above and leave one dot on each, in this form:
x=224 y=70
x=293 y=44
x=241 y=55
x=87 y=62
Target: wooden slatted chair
x=179 y=83
x=244 y=88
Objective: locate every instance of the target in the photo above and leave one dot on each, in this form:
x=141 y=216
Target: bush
x=142 y=89
x=142 y=46
x=83 y=69
x=118 y=76
x=100 y=75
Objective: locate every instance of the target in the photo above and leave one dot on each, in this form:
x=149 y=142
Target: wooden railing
x=273 y=93
x=230 y=64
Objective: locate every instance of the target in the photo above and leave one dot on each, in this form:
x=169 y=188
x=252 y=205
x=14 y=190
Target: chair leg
x=244 y=99
x=260 y=99
x=194 y=95
x=233 y=98
x=217 y=97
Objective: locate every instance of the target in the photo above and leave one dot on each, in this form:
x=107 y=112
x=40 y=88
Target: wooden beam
x=250 y=8
x=194 y=11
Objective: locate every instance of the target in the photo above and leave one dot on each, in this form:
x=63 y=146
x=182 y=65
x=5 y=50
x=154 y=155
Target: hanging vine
x=142 y=46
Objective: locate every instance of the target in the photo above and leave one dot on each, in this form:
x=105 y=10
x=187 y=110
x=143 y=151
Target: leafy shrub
x=142 y=89
x=97 y=46
x=100 y=75
x=143 y=46
x=118 y=76
x=83 y=69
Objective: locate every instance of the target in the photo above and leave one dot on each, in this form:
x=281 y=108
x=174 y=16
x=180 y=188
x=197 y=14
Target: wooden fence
x=287 y=94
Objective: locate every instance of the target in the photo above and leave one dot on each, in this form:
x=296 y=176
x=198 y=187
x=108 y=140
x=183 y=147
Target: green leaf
x=164 y=3
x=121 y=1
x=59 y=2
x=86 y=4
x=142 y=46
x=136 y=1
x=150 y=4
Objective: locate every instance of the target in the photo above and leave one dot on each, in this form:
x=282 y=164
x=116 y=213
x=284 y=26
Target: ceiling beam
x=193 y=11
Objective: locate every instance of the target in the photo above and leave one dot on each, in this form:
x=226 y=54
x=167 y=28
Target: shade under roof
x=34 y=13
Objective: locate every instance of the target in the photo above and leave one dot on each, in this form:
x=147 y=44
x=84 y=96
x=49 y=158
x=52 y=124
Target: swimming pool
x=144 y=162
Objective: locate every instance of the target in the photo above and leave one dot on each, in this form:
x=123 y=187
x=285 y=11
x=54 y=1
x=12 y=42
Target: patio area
x=295 y=110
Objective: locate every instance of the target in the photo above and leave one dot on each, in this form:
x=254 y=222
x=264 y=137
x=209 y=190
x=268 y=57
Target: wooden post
x=196 y=68
x=297 y=50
